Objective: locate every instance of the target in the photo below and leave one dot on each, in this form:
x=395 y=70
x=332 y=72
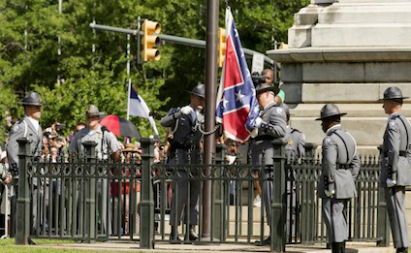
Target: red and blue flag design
x=237 y=106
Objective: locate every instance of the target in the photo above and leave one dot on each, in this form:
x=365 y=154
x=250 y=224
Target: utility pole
x=210 y=107
x=59 y=47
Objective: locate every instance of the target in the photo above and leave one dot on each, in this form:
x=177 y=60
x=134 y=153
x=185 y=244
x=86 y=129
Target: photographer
x=269 y=78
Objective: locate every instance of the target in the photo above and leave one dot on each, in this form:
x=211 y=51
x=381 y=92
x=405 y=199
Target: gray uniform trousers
x=181 y=187
x=335 y=217
x=395 y=198
x=263 y=151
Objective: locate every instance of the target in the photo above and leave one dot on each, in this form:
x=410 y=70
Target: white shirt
x=35 y=123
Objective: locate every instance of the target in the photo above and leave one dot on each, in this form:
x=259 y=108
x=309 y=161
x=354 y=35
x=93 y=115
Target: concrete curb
x=221 y=248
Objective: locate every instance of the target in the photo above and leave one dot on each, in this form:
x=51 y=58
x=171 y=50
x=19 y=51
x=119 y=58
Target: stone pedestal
x=347 y=52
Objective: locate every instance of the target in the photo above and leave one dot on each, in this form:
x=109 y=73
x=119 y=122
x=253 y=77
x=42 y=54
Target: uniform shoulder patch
x=15 y=128
x=279 y=110
x=392 y=123
x=327 y=141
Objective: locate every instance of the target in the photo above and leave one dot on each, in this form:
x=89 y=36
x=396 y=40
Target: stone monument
x=347 y=52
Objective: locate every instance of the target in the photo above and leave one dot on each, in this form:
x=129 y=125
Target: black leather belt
x=344 y=166
x=402 y=153
x=264 y=138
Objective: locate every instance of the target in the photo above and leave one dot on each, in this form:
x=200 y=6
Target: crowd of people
x=340 y=160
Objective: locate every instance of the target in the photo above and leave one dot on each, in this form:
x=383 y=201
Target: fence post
x=383 y=223
x=308 y=222
x=278 y=207
x=90 y=173
x=147 y=197
x=218 y=194
x=23 y=199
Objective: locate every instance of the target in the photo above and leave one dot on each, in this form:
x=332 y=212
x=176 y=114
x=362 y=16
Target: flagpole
x=128 y=76
x=210 y=106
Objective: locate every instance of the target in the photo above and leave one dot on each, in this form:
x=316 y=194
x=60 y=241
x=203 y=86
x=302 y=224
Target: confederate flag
x=237 y=106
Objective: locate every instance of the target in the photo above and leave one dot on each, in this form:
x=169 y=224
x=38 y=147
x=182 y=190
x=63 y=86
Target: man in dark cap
x=107 y=146
x=340 y=167
x=185 y=137
x=395 y=168
x=29 y=127
x=270 y=125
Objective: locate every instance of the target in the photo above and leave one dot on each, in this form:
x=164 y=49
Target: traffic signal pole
x=172 y=39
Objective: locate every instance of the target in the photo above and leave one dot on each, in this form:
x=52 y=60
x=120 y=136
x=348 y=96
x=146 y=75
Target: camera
x=257 y=78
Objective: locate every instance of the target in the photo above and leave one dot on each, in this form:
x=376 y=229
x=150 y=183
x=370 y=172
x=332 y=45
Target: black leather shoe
x=192 y=236
x=174 y=239
x=266 y=241
x=402 y=250
x=31 y=242
x=177 y=240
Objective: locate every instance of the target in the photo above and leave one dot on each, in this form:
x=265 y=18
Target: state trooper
x=185 y=149
x=294 y=138
x=340 y=167
x=395 y=167
x=294 y=149
x=29 y=127
x=107 y=145
x=270 y=125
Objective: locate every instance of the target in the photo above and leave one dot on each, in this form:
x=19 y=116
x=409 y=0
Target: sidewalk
x=356 y=247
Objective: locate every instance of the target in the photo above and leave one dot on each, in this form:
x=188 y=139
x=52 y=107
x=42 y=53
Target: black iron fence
x=87 y=199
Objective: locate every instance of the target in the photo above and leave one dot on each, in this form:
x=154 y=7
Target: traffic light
x=221 y=46
x=150 y=41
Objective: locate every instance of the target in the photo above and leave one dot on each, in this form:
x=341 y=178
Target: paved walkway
x=223 y=248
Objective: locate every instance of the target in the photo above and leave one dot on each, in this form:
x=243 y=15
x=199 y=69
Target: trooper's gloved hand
x=390 y=182
x=186 y=110
x=254 y=133
x=258 y=122
x=329 y=193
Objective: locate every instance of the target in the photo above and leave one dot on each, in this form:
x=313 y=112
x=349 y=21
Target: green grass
x=8 y=246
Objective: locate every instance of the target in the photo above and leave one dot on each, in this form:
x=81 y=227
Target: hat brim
x=196 y=94
x=92 y=115
x=329 y=116
x=265 y=90
x=382 y=99
x=35 y=104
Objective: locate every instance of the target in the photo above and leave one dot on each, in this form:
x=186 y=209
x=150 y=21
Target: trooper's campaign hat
x=33 y=98
x=199 y=90
x=92 y=110
x=330 y=110
x=264 y=87
x=393 y=93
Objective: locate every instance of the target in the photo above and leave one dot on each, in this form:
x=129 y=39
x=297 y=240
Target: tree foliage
x=29 y=58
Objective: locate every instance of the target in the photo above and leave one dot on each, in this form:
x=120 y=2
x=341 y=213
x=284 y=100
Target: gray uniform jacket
x=109 y=142
x=340 y=164
x=23 y=128
x=295 y=140
x=184 y=128
x=396 y=151
x=274 y=126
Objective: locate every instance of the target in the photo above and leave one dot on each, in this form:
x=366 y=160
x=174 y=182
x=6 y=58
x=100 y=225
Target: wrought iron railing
x=85 y=199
